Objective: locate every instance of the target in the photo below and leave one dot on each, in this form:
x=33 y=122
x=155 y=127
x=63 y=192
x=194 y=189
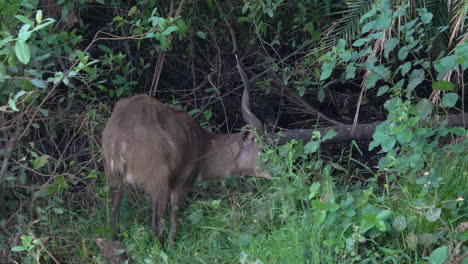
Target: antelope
x=164 y=150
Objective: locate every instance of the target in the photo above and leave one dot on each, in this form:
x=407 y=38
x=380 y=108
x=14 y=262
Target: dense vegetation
x=398 y=197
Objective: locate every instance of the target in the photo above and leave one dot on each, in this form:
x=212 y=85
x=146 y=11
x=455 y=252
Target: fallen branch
x=362 y=131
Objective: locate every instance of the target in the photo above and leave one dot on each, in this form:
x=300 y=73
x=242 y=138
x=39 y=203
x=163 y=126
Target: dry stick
x=161 y=56
x=10 y=146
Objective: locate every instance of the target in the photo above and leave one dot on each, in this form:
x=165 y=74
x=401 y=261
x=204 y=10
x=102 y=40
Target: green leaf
x=388 y=143
x=381 y=225
x=439 y=256
x=404 y=69
x=382 y=90
x=399 y=223
x=311 y=147
x=18 y=249
x=412 y=241
x=449 y=99
x=369 y=14
x=329 y=135
x=367 y=27
x=313 y=189
x=443 y=85
x=360 y=42
x=48 y=21
x=350 y=71
x=384 y=214
x=446 y=64
x=133 y=10
x=318 y=204
x=321 y=95
x=423 y=108
x=389 y=46
x=341 y=45
x=327 y=69
x=169 y=30
x=44 y=112
x=383 y=20
x=201 y=34
x=433 y=214
x=25 y=20
x=38 y=83
x=40 y=161
x=24 y=33
x=425 y=16
x=22 y=51
x=416 y=77
x=403 y=53
x=371 y=79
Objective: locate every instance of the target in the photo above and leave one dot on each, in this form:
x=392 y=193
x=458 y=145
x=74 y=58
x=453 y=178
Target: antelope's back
x=149 y=144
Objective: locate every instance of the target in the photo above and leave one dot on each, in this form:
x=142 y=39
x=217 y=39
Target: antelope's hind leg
x=177 y=200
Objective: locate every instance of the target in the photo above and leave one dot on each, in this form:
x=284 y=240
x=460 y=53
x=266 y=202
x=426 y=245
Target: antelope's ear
x=247 y=134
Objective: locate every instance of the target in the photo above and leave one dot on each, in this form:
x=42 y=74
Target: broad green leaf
x=439 y=256
x=368 y=27
x=318 y=204
x=388 y=143
x=416 y=77
x=443 y=85
x=360 y=42
x=371 y=13
x=40 y=161
x=412 y=241
x=449 y=99
x=381 y=225
x=329 y=135
x=371 y=80
x=313 y=189
x=383 y=20
x=341 y=45
x=201 y=34
x=377 y=35
x=44 y=112
x=433 y=214
x=22 y=51
x=403 y=53
x=311 y=147
x=24 y=33
x=38 y=83
x=327 y=69
x=399 y=223
x=423 y=108
x=446 y=64
x=169 y=30
x=404 y=69
x=321 y=95
x=25 y=20
x=133 y=10
x=425 y=16
x=382 y=90
x=384 y=214
x=350 y=71
x=18 y=248
x=47 y=22
x=389 y=46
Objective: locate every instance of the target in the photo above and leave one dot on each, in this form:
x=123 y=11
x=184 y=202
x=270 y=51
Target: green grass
x=247 y=220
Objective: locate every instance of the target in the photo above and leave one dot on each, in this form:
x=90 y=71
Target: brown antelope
x=164 y=150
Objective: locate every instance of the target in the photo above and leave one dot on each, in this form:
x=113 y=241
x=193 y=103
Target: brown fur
x=164 y=151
